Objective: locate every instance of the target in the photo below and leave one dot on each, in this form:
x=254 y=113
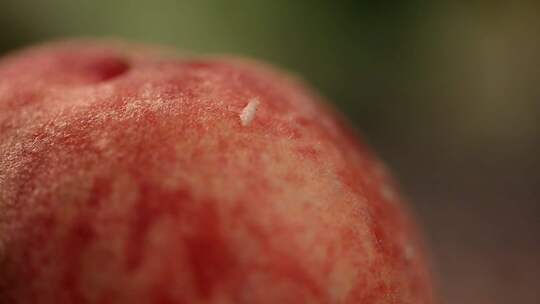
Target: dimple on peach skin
x=128 y=176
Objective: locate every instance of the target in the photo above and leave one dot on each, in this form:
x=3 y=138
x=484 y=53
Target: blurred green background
x=447 y=91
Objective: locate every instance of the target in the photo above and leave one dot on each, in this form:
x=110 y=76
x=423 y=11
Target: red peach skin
x=131 y=177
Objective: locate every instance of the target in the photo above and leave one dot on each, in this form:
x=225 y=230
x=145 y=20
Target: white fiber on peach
x=248 y=113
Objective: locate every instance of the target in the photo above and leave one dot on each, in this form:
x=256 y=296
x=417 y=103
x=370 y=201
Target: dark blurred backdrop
x=447 y=91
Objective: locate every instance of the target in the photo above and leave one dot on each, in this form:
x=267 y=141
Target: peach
x=127 y=176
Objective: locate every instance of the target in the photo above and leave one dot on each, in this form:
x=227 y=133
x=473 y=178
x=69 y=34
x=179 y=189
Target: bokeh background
x=447 y=91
